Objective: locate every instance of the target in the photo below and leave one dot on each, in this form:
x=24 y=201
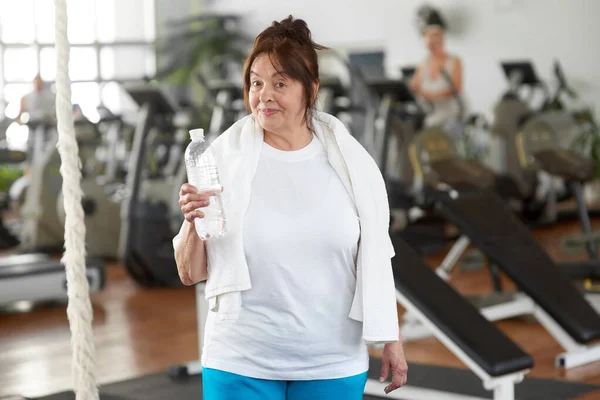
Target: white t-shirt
x=301 y=236
x=40 y=105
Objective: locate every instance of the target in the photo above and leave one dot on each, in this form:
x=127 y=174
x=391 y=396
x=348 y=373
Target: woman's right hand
x=190 y=200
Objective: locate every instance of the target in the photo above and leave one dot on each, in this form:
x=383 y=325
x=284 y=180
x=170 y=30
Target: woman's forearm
x=190 y=256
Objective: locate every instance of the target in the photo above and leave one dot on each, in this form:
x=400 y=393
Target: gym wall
x=130 y=21
x=482 y=32
x=170 y=10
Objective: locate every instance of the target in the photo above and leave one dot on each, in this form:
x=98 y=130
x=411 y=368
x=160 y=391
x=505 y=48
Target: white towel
x=237 y=152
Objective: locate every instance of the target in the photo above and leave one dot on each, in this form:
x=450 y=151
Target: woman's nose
x=266 y=94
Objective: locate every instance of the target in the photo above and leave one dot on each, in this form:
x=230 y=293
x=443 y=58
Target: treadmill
x=408 y=72
x=147 y=225
x=395 y=99
x=332 y=95
x=228 y=99
x=38 y=278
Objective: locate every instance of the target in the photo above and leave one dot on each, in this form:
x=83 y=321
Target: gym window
x=112 y=43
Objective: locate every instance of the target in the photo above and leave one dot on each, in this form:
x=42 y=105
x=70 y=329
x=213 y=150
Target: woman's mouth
x=268 y=111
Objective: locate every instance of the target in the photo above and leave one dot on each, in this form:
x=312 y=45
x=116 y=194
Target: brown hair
x=292 y=52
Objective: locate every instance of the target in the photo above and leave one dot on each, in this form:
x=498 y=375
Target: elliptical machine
x=42 y=211
x=514 y=117
x=34 y=196
x=101 y=202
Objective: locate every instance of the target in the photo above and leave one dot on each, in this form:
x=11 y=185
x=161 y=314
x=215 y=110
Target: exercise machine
x=436 y=162
x=399 y=121
x=555 y=301
x=407 y=72
x=37 y=278
x=538 y=149
x=357 y=107
x=34 y=197
x=227 y=103
x=399 y=118
x=479 y=344
x=438 y=166
x=101 y=202
x=343 y=92
x=541 y=147
x=331 y=93
x=42 y=212
x=113 y=154
x=147 y=211
x=512 y=116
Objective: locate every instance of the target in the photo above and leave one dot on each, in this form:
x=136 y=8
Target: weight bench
x=477 y=342
x=546 y=289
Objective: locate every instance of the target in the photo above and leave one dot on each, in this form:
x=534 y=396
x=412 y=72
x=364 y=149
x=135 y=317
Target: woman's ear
x=315 y=92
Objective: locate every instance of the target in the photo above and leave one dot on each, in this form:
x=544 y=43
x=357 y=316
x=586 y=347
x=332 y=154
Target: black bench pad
x=491 y=226
x=480 y=339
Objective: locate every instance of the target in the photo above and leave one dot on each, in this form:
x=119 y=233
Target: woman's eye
x=255 y=83
x=280 y=84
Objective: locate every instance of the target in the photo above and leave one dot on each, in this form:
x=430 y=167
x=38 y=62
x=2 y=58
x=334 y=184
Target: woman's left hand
x=393 y=359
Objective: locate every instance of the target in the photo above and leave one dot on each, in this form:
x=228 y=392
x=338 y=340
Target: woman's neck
x=438 y=54
x=290 y=140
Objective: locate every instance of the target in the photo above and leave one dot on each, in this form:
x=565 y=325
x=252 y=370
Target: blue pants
x=220 y=385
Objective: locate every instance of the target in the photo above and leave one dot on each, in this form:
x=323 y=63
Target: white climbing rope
x=79 y=309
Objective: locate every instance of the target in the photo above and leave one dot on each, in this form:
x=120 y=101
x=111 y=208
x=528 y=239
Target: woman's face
x=276 y=101
x=434 y=38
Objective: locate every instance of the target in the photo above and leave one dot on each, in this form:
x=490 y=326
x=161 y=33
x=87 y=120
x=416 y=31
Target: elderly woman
x=301 y=283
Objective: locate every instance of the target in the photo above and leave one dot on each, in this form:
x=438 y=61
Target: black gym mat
x=161 y=387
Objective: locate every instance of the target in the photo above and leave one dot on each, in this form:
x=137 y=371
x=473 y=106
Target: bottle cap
x=197 y=134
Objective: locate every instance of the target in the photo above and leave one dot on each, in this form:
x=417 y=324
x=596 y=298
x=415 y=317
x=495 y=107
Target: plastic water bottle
x=202 y=172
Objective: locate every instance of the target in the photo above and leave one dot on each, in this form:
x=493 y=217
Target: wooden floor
x=141 y=331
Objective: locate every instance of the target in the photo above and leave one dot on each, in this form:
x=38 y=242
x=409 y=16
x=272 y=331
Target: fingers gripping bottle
x=202 y=172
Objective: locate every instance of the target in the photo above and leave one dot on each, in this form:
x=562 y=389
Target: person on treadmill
x=438 y=79
x=39 y=104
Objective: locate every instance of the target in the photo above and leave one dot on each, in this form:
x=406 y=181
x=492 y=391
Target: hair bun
x=295 y=29
x=428 y=16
